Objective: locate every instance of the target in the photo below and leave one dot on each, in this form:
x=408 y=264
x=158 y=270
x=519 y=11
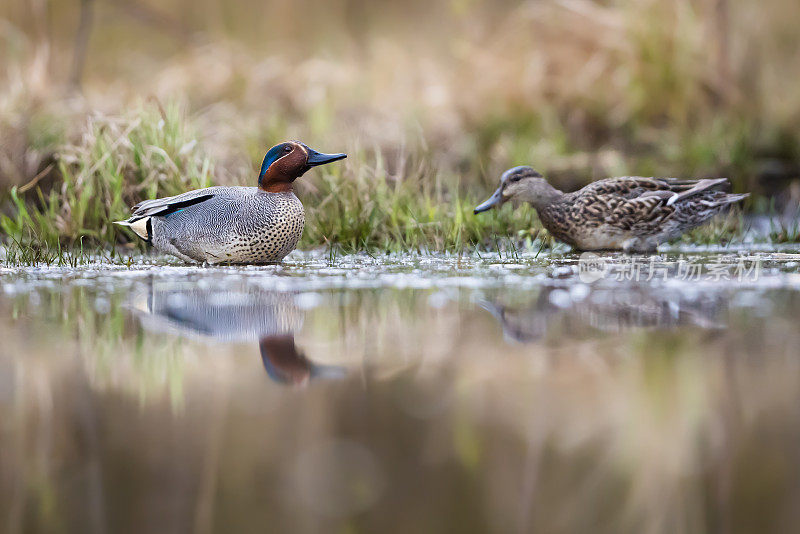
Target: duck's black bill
x=318 y=158
x=495 y=200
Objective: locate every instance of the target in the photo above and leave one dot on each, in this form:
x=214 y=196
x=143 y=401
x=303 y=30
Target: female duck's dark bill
x=318 y=158
x=495 y=200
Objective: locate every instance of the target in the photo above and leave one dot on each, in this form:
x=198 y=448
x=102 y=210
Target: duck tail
x=721 y=200
x=141 y=227
x=699 y=187
x=732 y=198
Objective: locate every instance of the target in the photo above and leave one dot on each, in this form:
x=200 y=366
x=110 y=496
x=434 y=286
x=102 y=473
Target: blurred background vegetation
x=105 y=102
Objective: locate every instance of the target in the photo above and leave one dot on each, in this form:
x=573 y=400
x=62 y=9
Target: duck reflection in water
x=605 y=311
x=286 y=365
x=235 y=316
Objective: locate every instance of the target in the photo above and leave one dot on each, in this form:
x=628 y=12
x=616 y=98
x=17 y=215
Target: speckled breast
x=267 y=228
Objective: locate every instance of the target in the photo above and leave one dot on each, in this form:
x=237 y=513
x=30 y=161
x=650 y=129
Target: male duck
x=631 y=213
x=233 y=224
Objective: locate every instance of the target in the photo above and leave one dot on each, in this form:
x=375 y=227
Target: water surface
x=404 y=393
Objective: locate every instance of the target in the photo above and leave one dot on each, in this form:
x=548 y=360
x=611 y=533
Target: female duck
x=233 y=224
x=631 y=213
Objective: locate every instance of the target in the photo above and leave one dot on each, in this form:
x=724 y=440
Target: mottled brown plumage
x=631 y=213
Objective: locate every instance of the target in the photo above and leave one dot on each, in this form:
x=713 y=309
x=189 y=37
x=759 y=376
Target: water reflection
x=234 y=316
x=583 y=313
x=627 y=410
x=285 y=364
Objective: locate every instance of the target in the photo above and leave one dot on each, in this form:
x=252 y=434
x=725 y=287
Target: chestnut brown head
x=286 y=162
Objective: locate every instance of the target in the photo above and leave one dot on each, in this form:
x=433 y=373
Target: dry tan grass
x=579 y=89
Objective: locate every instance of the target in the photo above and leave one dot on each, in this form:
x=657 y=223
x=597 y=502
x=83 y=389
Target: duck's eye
x=287 y=148
x=515 y=179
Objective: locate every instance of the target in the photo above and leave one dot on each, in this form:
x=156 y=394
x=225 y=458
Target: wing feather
x=167 y=205
x=632 y=187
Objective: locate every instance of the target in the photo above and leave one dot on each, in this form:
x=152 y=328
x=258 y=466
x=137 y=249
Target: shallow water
x=404 y=393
